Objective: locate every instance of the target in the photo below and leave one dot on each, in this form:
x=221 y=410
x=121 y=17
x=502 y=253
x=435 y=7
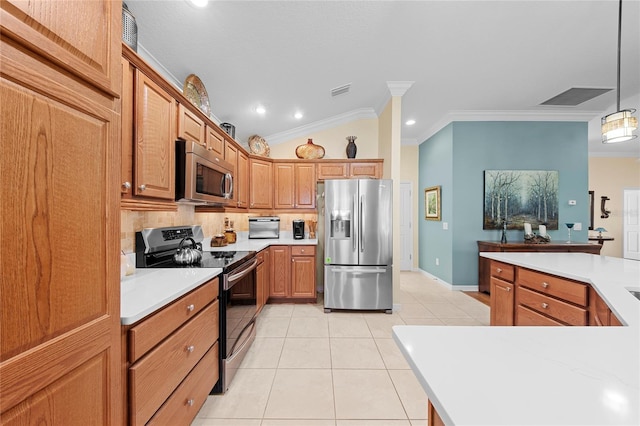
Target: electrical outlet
x=572 y=202
x=437 y=262
x=577 y=226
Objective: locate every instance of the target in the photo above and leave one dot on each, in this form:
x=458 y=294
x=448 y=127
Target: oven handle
x=232 y=279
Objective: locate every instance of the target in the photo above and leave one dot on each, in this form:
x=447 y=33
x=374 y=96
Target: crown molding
x=399 y=88
x=336 y=120
x=507 y=116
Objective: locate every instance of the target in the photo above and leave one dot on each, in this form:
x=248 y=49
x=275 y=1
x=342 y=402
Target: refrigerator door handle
x=358 y=270
x=355 y=206
x=362 y=223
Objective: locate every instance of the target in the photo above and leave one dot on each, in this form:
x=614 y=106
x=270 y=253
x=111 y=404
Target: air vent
x=574 y=96
x=341 y=90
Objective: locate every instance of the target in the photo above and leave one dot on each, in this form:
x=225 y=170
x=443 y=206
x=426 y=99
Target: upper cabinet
x=241 y=180
x=349 y=169
x=190 y=126
x=260 y=184
x=215 y=141
x=294 y=185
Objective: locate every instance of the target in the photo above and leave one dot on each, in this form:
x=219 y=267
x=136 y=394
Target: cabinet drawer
x=157 y=374
x=562 y=288
x=303 y=250
x=150 y=332
x=183 y=405
x=555 y=308
x=504 y=271
x=526 y=316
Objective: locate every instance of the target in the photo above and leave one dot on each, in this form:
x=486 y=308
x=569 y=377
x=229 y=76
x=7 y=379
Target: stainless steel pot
x=187 y=255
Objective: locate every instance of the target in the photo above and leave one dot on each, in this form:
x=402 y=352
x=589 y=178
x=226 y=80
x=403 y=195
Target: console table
x=483 y=263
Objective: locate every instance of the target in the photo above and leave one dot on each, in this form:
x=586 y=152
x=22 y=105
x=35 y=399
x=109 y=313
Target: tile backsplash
x=212 y=223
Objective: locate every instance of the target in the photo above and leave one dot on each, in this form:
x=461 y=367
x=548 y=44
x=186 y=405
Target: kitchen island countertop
x=245 y=244
x=537 y=375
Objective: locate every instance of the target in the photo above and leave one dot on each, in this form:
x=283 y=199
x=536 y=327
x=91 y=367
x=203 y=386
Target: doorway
x=631 y=224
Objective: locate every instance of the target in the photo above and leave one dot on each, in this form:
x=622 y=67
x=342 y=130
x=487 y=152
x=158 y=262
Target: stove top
x=155 y=248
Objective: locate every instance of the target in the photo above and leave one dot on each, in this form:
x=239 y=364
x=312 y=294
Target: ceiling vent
x=574 y=96
x=341 y=90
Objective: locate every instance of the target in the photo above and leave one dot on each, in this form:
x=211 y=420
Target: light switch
x=577 y=226
x=445 y=225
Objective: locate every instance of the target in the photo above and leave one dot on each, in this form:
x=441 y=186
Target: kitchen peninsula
x=537 y=375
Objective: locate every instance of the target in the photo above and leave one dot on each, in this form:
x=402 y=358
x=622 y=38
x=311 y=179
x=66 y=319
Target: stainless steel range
x=157 y=248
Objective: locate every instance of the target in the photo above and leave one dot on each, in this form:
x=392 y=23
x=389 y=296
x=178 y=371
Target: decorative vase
x=351 y=147
x=310 y=151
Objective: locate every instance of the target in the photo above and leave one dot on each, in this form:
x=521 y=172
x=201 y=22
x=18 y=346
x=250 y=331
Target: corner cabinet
x=171 y=359
x=59 y=333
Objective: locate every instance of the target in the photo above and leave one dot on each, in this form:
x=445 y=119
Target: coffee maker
x=298 y=229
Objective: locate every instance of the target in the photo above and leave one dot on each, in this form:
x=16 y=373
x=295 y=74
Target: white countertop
x=537 y=375
x=150 y=289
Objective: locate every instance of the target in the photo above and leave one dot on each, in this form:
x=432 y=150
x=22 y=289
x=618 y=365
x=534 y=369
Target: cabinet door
x=60 y=151
x=261 y=188
x=260 y=271
x=332 y=171
x=215 y=141
x=281 y=266
x=268 y=272
x=305 y=186
x=599 y=312
x=283 y=179
x=241 y=180
x=303 y=276
x=190 y=126
x=126 y=116
x=502 y=302
x=364 y=169
x=155 y=140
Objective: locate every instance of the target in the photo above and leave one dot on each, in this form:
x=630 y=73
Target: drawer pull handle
x=545 y=284
x=545 y=306
x=190 y=402
x=499 y=270
x=190 y=308
x=190 y=348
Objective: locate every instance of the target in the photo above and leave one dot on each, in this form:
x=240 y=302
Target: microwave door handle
x=230 y=183
x=227 y=182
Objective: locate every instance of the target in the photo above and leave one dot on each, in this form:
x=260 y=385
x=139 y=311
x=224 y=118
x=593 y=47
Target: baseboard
x=448 y=285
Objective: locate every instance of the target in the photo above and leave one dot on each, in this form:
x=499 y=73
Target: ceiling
x=468 y=60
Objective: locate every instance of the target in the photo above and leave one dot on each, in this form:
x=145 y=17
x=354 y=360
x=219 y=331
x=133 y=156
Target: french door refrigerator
x=358 y=246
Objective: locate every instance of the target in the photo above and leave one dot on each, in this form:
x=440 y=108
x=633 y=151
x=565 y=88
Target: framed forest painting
x=518 y=196
x=432 y=209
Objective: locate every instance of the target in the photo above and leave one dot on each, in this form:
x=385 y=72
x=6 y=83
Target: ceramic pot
x=352 y=149
x=310 y=151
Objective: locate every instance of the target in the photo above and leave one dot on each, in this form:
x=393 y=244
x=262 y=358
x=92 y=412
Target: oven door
x=202 y=177
x=239 y=324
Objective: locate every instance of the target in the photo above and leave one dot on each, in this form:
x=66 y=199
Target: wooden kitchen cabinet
x=60 y=311
x=294 y=273
x=261 y=184
x=349 y=169
x=241 y=180
x=369 y=169
x=231 y=156
x=294 y=185
x=171 y=358
x=263 y=277
x=190 y=127
x=599 y=312
x=215 y=140
x=496 y=246
x=502 y=302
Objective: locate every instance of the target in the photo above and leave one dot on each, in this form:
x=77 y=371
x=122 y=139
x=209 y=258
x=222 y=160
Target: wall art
x=432 y=208
x=518 y=196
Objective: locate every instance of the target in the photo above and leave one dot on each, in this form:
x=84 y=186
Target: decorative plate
x=194 y=91
x=259 y=146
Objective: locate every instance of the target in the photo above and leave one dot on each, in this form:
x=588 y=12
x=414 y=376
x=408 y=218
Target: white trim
x=336 y=120
x=446 y=284
x=616 y=154
x=399 y=88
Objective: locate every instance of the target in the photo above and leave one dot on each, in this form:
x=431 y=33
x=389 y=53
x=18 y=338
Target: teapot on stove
x=187 y=255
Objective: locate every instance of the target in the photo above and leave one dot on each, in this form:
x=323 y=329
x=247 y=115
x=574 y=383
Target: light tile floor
x=308 y=368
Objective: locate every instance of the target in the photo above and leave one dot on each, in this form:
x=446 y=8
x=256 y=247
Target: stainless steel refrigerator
x=358 y=244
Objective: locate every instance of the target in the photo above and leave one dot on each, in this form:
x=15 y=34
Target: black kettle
x=187 y=255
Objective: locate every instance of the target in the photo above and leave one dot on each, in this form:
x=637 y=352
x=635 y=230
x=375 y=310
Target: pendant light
x=620 y=125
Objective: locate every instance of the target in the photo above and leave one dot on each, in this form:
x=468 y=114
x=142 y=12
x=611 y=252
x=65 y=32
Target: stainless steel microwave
x=201 y=176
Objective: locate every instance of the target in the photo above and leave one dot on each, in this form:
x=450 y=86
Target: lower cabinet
x=263 y=277
x=172 y=359
x=293 y=276
x=502 y=302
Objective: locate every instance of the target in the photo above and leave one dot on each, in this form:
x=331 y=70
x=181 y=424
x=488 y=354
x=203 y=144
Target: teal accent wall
x=456 y=158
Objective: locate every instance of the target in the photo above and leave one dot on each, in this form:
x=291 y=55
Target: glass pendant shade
x=619 y=126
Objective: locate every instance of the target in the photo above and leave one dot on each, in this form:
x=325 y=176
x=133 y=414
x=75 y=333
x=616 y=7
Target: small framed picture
x=432 y=203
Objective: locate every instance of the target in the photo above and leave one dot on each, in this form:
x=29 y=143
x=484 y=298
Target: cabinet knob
x=545 y=285
x=190 y=348
x=142 y=187
x=293 y=260
x=190 y=402
x=190 y=308
x=126 y=186
x=508 y=288
x=301 y=250
x=499 y=270
x=545 y=306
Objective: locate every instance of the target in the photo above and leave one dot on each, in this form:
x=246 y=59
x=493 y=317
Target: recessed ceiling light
x=410 y=122
x=260 y=109
x=199 y=3
x=298 y=115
